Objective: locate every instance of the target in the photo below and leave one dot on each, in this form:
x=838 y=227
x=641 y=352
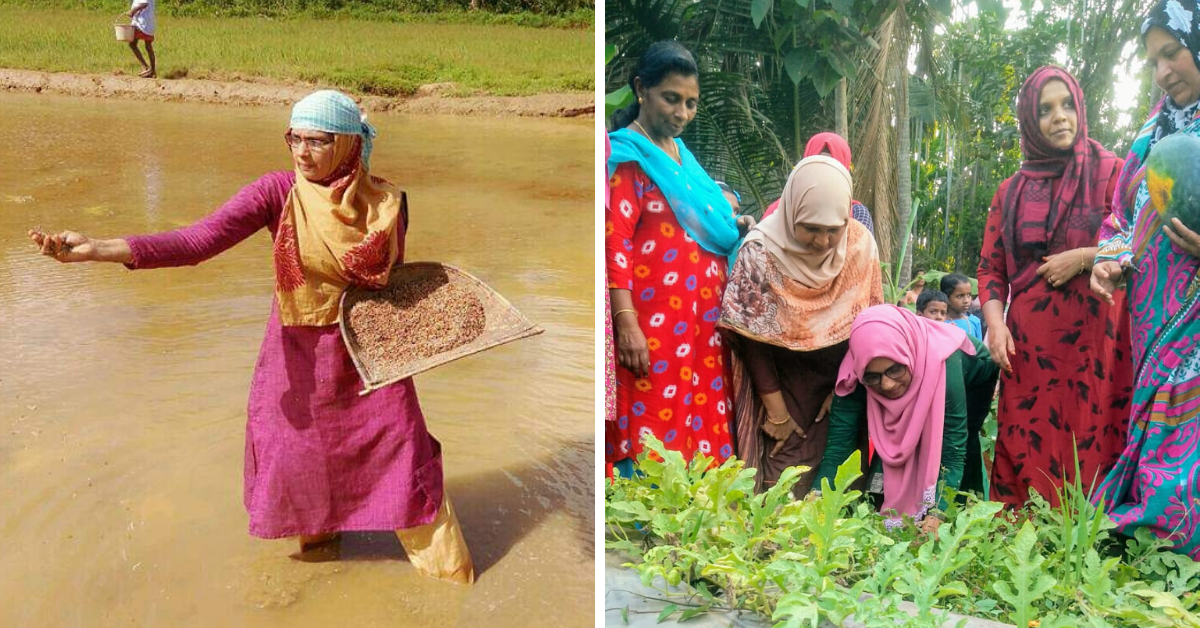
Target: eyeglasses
x=315 y=144
x=894 y=373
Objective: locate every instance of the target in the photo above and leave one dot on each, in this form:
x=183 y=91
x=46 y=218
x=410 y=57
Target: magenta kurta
x=319 y=457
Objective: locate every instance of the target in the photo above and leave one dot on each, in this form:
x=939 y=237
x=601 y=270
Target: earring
x=639 y=100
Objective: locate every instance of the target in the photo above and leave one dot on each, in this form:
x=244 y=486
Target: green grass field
x=368 y=57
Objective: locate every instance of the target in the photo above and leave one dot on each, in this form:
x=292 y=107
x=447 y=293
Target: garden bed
x=703 y=542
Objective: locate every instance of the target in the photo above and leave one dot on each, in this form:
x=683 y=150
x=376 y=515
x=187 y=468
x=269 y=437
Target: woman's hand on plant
x=1183 y=237
x=632 y=351
x=66 y=246
x=930 y=525
x=1060 y=268
x=1105 y=276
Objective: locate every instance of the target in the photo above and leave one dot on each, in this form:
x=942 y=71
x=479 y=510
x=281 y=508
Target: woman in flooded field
x=320 y=459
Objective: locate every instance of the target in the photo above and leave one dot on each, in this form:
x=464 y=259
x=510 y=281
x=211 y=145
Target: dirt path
x=428 y=100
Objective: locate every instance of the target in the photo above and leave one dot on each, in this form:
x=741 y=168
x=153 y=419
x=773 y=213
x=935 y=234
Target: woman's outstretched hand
x=66 y=246
x=69 y=246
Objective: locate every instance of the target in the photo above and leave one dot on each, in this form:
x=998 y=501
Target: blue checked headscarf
x=333 y=112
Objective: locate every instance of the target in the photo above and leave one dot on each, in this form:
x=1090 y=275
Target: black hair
x=660 y=59
x=952 y=281
x=931 y=296
x=724 y=186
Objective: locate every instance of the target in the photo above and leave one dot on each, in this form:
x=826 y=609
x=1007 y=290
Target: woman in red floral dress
x=668 y=234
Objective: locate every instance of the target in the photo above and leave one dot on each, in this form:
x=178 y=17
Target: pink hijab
x=907 y=432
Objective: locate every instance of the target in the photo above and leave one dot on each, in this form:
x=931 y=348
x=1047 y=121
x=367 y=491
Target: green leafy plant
x=696 y=533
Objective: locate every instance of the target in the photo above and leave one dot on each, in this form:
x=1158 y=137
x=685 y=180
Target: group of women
x=1090 y=302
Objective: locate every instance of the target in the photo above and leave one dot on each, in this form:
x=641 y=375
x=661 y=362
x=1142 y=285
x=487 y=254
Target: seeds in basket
x=414 y=320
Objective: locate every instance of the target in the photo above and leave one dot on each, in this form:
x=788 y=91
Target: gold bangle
x=620 y=312
x=778 y=422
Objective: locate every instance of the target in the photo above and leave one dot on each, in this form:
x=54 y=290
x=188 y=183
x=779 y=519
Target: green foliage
x=823 y=558
x=1028 y=582
x=766 y=70
x=366 y=57
x=364 y=9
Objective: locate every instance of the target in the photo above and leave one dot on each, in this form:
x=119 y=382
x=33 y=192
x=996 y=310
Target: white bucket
x=124 y=32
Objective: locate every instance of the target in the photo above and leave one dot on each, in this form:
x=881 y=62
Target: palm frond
x=736 y=142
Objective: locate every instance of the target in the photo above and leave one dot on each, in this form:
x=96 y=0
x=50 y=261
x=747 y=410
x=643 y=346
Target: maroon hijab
x=1035 y=215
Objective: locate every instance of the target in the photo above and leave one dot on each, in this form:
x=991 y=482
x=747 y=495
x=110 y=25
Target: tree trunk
x=475 y=4
x=839 y=104
x=903 y=152
x=799 y=141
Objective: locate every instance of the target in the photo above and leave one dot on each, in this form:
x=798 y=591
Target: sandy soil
x=430 y=99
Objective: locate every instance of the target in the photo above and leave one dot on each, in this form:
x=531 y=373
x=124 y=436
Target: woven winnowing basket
x=503 y=324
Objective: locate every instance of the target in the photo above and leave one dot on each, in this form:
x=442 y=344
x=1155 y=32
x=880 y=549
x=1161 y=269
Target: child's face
x=960 y=300
x=934 y=311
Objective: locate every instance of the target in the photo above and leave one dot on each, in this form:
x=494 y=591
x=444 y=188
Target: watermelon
x=1173 y=179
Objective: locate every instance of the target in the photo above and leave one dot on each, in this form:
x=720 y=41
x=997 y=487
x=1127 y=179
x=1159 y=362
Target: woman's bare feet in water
x=319 y=548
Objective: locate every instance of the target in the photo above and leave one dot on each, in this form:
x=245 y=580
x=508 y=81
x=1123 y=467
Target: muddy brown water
x=123 y=394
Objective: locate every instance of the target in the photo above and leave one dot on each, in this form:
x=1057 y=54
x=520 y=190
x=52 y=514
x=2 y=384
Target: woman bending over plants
x=914 y=375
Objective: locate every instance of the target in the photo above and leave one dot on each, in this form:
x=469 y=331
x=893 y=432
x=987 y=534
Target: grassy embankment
x=390 y=54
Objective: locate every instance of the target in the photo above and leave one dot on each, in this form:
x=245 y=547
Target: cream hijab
x=818 y=192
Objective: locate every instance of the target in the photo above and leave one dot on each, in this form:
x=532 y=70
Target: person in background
x=141 y=15
x=745 y=223
x=731 y=195
x=918 y=287
x=833 y=145
x=976 y=310
x=932 y=304
x=957 y=288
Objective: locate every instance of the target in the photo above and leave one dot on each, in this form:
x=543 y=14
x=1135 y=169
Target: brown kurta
x=805 y=379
